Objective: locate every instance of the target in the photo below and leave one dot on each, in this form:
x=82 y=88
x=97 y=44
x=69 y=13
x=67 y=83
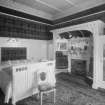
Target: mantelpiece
x=75 y=48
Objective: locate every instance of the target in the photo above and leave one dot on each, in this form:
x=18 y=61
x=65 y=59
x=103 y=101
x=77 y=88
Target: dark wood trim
x=24 y=15
x=80 y=14
x=100 y=16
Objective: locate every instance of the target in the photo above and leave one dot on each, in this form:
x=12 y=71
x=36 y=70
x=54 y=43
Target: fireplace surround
x=97 y=29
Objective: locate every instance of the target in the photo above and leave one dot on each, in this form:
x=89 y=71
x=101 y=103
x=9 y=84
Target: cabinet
x=61 y=60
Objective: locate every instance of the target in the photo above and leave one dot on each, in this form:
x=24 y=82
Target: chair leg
x=54 y=95
x=41 y=97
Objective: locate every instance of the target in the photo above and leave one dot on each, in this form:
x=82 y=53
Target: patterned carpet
x=69 y=92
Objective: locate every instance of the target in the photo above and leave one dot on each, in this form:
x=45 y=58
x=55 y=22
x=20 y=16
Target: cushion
x=43 y=76
x=45 y=87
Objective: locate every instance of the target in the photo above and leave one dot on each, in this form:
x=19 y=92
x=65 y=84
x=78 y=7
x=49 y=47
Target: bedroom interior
x=62 y=40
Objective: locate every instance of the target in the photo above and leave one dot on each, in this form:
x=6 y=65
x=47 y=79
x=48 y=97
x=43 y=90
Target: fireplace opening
x=78 y=67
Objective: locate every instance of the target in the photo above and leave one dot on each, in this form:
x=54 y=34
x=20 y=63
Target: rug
x=67 y=93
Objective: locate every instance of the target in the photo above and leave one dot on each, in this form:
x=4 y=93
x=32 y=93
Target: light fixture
x=70 y=35
x=12 y=40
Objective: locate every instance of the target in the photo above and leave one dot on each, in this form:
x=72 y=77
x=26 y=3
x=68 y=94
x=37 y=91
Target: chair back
x=43 y=76
x=47 y=74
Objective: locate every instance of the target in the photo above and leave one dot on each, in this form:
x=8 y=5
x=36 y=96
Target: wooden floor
x=70 y=91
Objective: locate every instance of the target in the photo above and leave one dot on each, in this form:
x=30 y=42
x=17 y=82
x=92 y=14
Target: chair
x=45 y=86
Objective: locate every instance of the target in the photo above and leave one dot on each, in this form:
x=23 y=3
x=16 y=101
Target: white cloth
x=6 y=85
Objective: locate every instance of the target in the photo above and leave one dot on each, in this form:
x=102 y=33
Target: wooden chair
x=45 y=86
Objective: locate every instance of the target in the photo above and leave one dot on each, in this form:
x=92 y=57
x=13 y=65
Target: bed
x=18 y=75
x=18 y=80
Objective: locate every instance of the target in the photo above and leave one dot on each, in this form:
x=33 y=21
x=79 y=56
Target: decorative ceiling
x=60 y=8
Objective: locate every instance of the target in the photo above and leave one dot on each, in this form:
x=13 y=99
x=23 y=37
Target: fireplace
x=78 y=67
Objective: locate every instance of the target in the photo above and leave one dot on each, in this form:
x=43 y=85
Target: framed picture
x=62 y=45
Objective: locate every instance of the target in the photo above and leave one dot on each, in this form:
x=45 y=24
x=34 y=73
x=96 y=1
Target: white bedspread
x=6 y=83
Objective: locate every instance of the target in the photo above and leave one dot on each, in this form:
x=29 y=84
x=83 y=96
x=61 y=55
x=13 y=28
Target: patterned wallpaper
x=19 y=28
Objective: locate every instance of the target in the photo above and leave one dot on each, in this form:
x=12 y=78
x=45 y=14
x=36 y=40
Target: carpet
x=68 y=93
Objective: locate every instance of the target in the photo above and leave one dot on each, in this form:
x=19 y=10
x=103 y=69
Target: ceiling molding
x=48 y=5
x=24 y=8
x=97 y=13
x=90 y=11
x=18 y=14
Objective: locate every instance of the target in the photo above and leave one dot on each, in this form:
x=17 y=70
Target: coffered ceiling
x=60 y=8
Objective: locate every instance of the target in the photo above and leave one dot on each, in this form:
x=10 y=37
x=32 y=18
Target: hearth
x=78 y=67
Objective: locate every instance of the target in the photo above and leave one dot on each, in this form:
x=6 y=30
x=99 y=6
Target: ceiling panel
x=57 y=3
x=37 y=5
x=25 y=2
x=79 y=1
x=44 y=8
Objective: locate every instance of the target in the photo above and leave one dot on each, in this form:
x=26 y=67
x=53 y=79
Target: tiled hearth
x=78 y=67
x=78 y=70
